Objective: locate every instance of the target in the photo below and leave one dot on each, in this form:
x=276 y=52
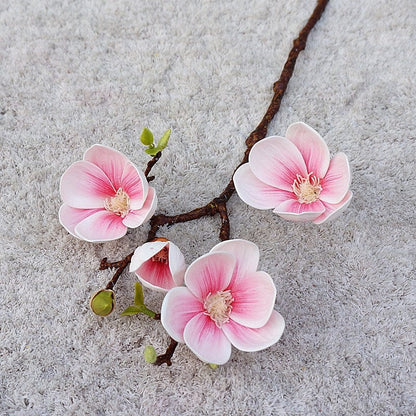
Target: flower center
x=119 y=204
x=307 y=189
x=162 y=256
x=218 y=306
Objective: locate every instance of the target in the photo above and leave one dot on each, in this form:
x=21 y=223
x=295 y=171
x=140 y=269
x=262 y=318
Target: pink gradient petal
x=312 y=147
x=337 y=181
x=137 y=217
x=176 y=263
x=249 y=339
x=245 y=252
x=276 y=161
x=254 y=298
x=206 y=340
x=178 y=308
x=70 y=217
x=333 y=211
x=156 y=275
x=145 y=252
x=84 y=185
x=209 y=274
x=254 y=192
x=293 y=210
x=135 y=184
x=101 y=226
x=110 y=161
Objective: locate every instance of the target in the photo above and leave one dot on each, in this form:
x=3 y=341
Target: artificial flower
x=104 y=194
x=295 y=177
x=225 y=302
x=159 y=265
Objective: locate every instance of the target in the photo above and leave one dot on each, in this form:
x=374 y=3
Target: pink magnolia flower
x=295 y=176
x=226 y=302
x=159 y=265
x=104 y=194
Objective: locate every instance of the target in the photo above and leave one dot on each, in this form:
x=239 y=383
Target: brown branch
x=166 y=357
x=150 y=165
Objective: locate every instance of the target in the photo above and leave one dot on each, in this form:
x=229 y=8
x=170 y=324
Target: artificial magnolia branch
x=221 y=299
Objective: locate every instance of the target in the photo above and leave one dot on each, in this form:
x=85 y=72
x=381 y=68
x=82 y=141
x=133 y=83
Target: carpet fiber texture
x=75 y=73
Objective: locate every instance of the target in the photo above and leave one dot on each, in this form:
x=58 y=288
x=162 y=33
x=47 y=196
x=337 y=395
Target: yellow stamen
x=218 y=307
x=119 y=204
x=307 y=189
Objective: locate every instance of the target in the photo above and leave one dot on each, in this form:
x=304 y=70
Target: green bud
x=152 y=152
x=163 y=142
x=150 y=354
x=213 y=366
x=146 y=137
x=102 y=303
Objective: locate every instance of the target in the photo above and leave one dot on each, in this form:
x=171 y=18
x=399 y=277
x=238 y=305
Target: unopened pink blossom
x=226 y=302
x=104 y=194
x=295 y=177
x=159 y=265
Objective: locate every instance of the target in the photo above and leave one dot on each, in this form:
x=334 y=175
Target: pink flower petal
x=312 y=146
x=337 y=181
x=254 y=298
x=84 y=185
x=135 y=184
x=293 y=210
x=137 y=217
x=177 y=264
x=178 y=308
x=249 y=339
x=254 y=192
x=145 y=252
x=245 y=252
x=206 y=340
x=333 y=211
x=110 y=161
x=70 y=217
x=276 y=161
x=155 y=275
x=209 y=274
x=101 y=226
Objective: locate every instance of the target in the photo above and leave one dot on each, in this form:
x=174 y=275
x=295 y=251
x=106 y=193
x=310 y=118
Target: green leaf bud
x=163 y=142
x=146 y=137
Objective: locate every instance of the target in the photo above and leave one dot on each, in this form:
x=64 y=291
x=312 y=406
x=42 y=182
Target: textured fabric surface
x=75 y=73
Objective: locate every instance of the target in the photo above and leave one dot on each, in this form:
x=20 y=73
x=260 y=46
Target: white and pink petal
x=178 y=308
x=137 y=217
x=254 y=298
x=293 y=210
x=209 y=274
x=337 y=180
x=84 y=185
x=155 y=275
x=246 y=254
x=333 y=211
x=100 y=227
x=110 y=161
x=70 y=217
x=276 y=161
x=206 y=340
x=255 y=339
x=312 y=147
x=254 y=192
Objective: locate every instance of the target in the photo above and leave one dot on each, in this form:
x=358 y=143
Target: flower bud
x=102 y=303
x=150 y=354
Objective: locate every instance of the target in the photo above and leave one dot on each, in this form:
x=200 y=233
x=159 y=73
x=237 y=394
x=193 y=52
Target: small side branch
x=150 y=165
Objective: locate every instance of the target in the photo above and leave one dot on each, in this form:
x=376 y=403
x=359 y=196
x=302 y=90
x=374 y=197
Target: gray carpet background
x=75 y=73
